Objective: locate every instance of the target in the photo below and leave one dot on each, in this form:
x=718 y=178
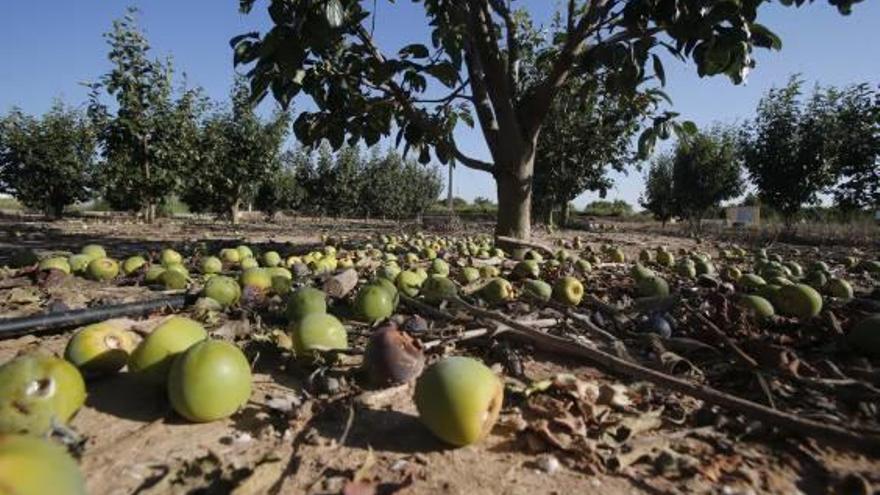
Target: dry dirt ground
x=299 y=437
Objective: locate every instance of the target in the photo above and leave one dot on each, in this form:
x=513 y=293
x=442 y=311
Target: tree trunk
x=150 y=212
x=513 y=181
x=56 y=211
x=564 y=214
x=234 y=212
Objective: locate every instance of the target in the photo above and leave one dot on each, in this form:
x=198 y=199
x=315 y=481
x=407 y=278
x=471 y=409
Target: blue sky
x=49 y=46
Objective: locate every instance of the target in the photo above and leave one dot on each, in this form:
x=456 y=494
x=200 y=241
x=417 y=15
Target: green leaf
x=763 y=37
x=658 y=69
x=415 y=50
x=334 y=12
x=688 y=127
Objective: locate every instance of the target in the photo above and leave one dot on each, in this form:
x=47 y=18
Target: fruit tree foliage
x=658 y=197
x=237 y=151
x=470 y=67
x=706 y=170
x=46 y=162
x=787 y=148
x=857 y=141
x=149 y=134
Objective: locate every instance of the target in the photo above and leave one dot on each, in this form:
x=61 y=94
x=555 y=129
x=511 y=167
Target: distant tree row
x=349 y=183
x=794 y=150
x=152 y=142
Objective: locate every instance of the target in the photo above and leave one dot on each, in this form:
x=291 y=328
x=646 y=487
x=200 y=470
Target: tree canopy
x=659 y=198
x=150 y=135
x=47 y=162
x=327 y=51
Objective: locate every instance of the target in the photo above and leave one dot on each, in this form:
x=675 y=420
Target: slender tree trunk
x=234 y=212
x=56 y=211
x=151 y=203
x=514 y=185
x=564 y=214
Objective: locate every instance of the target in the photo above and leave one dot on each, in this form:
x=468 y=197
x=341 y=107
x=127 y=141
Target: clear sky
x=49 y=46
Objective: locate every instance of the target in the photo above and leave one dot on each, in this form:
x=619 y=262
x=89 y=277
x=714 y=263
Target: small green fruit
x=225 y=290
x=37 y=390
x=757 y=305
x=704 y=266
x=497 y=291
x=317 y=332
x=665 y=258
x=731 y=274
x=616 y=255
x=439 y=267
x=389 y=271
x=103 y=269
x=37 y=466
x=100 y=348
x=468 y=275
x=816 y=280
x=489 y=271
x=230 y=256
x=152 y=358
x=640 y=271
x=799 y=300
x=687 y=268
x=256 y=278
x=526 y=269
x=437 y=288
x=568 y=290
x=173 y=280
x=211 y=264
x=374 y=303
x=210 y=381
x=244 y=252
x=56 y=263
x=249 y=263
x=133 y=264
x=459 y=399
x=154 y=273
x=79 y=263
x=271 y=259
x=864 y=337
x=409 y=283
x=653 y=286
x=750 y=282
x=305 y=301
x=839 y=288
x=537 y=289
x=583 y=266
x=93 y=251
x=170 y=257
x=646 y=256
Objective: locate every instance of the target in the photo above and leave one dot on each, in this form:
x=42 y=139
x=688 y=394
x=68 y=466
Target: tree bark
x=564 y=214
x=150 y=213
x=514 y=186
x=234 y=212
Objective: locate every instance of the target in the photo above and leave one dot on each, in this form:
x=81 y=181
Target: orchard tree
x=788 y=149
x=148 y=136
x=659 y=198
x=46 y=163
x=705 y=171
x=857 y=143
x=237 y=151
x=364 y=91
x=283 y=191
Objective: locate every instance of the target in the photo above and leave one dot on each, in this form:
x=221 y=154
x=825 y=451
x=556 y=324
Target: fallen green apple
x=94 y=251
x=526 y=269
x=225 y=290
x=37 y=466
x=152 y=358
x=256 y=278
x=271 y=259
x=100 y=348
x=173 y=280
x=409 y=283
x=568 y=290
x=37 y=390
x=839 y=288
x=374 y=303
x=317 y=332
x=459 y=399
x=79 y=263
x=210 y=381
x=211 y=264
x=170 y=257
x=133 y=264
x=653 y=286
x=798 y=300
x=497 y=291
x=55 y=263
x=538 y=290
x=230 y=256
x=305 y=301
x=757 y=305
x=103 y=269
x=153 y=274
x=437 y=288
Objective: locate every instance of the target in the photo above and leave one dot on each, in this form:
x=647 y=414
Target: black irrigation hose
x=14 y=327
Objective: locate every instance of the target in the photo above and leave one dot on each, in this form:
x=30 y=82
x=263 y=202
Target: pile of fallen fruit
x=780 y=343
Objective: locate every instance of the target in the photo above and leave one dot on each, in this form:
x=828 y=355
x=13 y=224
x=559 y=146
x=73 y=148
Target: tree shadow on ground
x=384 y=430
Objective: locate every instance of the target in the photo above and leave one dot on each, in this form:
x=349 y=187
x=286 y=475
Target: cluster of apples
x=205 y=380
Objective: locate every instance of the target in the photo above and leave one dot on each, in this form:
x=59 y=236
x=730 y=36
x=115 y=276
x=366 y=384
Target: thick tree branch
x=512 y=44
x=482 y=102
x=471 y=162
